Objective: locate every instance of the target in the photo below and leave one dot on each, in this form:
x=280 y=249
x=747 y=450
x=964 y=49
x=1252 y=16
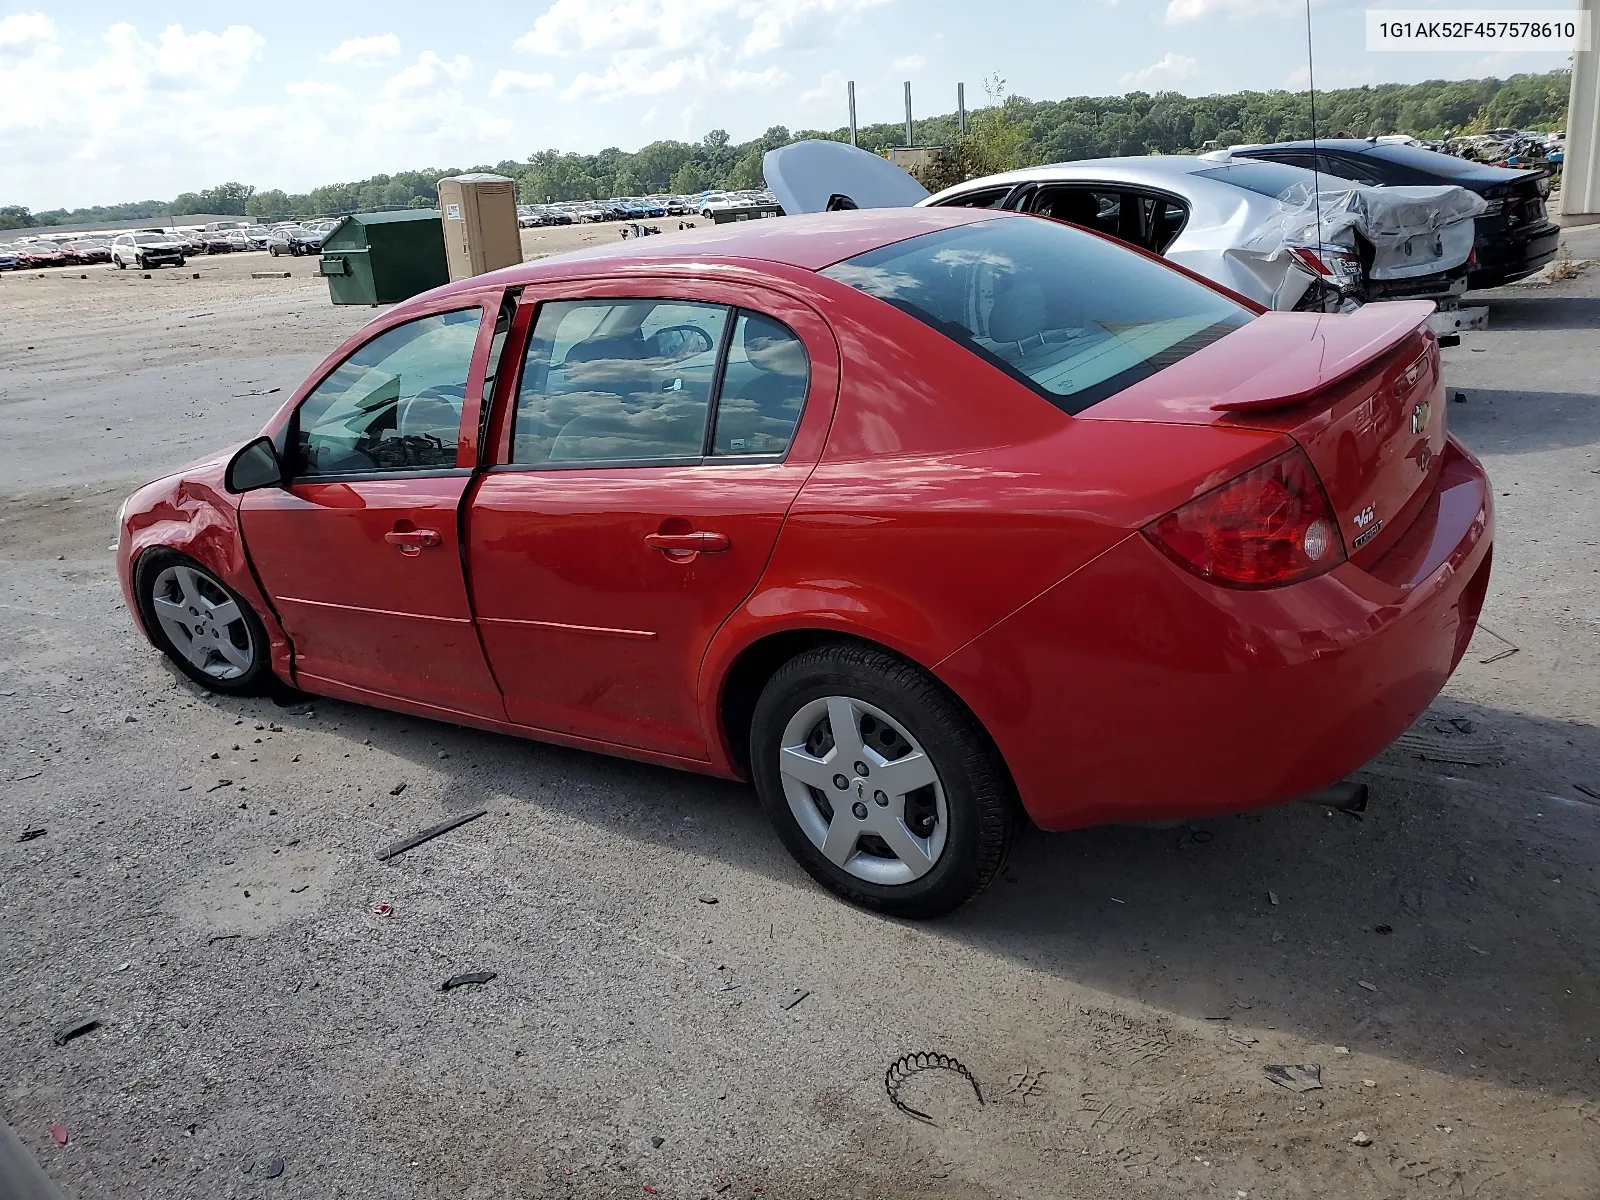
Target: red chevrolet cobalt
x=918 y=519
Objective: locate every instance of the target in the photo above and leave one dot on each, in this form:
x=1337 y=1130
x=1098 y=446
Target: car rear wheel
x=206 y=628
x=879 y=782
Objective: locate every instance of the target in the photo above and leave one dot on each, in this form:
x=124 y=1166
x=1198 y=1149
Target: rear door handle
x=413 y=541
x=698 y=542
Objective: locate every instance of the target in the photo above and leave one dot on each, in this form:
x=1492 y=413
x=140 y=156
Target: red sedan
x=919 y=519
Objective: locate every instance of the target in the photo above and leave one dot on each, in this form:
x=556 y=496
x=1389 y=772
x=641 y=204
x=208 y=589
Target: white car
x=148 y=250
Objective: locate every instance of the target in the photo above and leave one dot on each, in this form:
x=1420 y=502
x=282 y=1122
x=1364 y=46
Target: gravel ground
x=205 y=885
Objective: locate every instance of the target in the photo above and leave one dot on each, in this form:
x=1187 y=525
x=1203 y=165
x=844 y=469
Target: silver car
x=1283 y=236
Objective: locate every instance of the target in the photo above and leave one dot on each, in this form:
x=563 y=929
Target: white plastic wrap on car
x=1413 y=230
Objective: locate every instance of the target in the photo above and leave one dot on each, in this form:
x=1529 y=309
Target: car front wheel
x=880 y=783
x=206 y=628
x=121 y=266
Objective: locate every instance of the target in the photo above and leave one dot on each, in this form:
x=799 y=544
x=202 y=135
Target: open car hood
x=819 y=176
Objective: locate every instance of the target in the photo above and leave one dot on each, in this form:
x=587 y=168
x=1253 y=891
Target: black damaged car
x=1514 y=237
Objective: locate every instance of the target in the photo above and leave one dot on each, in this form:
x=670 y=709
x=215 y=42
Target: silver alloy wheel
x=863 y=790
x=203 y=622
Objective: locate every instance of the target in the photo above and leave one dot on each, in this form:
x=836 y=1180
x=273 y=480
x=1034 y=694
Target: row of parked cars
x=146 y=248
x=636 y=208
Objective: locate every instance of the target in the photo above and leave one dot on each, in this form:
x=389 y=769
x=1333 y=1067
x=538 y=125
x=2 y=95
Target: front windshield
x=1073 y=316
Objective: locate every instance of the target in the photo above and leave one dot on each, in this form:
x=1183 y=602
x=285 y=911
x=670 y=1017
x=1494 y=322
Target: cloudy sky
x=108 y=100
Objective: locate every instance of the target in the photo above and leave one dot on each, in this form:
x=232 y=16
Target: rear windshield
x=1072 y=316
x=1267 y=178
x=1445 y=166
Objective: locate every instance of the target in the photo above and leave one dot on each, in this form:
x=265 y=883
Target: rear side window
x=1072 y=316
x=1265 y=178
x=640 y=382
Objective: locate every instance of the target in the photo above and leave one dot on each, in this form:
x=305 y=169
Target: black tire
x=256 y=679
x=121 y=266
x=180 y=262
x=980 y=799
x=273 y=251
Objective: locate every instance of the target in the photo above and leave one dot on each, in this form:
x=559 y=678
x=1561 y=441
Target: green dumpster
x=384 y=257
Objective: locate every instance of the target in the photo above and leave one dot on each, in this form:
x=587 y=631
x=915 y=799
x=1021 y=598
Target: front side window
x=1071 y=316
x=393 y=405
x=986 y=198
x=617 y=381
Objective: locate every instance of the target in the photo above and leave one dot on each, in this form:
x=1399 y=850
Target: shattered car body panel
x=1413 y=231
x=1274 y=236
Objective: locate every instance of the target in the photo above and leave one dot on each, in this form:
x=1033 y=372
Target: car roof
x=1419 y=158
x=810 y=242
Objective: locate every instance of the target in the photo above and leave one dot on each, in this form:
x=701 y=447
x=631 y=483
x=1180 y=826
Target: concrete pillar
x=1580 y=175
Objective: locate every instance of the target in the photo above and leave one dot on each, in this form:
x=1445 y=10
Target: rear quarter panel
x=949 y=495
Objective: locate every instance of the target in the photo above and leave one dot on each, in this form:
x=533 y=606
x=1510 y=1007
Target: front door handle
x=413 y=541
x=684 y=546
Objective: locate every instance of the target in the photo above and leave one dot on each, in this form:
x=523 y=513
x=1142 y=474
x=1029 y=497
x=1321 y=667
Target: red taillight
x=1268 y=527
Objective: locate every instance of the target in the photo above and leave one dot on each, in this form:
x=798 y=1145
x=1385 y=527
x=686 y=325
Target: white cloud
x=1179 y=11
x=366 y=51
x=123 y=116
x=911 y=62
x=1170 y=69
x=798 y=24
x=632 y=73
x=428 y=74
x=507 y=83
x=23 y=33
x=660 y=47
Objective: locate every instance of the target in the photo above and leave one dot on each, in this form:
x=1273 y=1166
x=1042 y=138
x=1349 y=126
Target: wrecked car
x=1279 y=235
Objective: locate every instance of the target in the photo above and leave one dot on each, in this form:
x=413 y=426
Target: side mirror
x=256 y=465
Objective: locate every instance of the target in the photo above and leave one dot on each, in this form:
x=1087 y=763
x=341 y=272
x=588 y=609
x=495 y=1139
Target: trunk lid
x=1362 y=393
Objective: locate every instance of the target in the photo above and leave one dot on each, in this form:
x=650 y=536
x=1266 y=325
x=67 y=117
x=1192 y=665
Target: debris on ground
x=1304 y=1077
x=1361 y=1139
x=1592 y=791
x=221 y=783
x=1272 y=898
x=707 y=898
x=431 y=832
x=59 y=1134
x=907 y=1065
x=398 y=788
x=658 y=1141
x=793 y=998
x=1510 y=646
x=1244 y=1039
x=1462 y=724
x=29 y=835
x=74 y=1028
x=471 y=977
x=267 y=1168
x=383 y=909
x=1362 y=983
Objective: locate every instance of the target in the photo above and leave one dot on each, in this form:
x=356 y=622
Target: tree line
x=1010 y=131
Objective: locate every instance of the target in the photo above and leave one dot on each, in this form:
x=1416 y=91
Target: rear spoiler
x=1337 y=345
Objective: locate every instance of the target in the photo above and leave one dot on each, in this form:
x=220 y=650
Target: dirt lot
x=205 y=885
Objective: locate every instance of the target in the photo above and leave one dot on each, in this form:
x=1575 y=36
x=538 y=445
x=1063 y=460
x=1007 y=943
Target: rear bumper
x=1508 y=257
x=1134 y=691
